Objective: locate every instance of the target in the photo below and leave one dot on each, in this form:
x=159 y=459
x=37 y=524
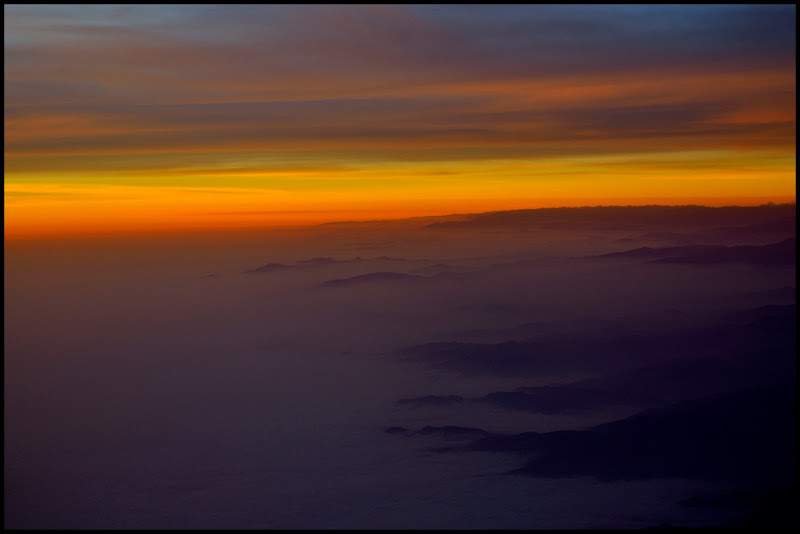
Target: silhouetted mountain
x=781 y=294
x=747 y=437
x=649 y=252
x=432 y=400
x=773 y=230
x=782 y=253
x=784 y=313
x=774 y=508
x=654 y=384
x=325 y=262
x=371 y=277
x=644 y=218
x=737 y=499
x=558 y=399
x=609 y=348
x=778 y=515
x=501 y=359
x=752 y=348
x=452 y=432
x=525 y=331
x=270 y=268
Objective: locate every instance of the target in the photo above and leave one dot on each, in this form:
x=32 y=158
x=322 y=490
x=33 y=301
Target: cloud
x=395 y=82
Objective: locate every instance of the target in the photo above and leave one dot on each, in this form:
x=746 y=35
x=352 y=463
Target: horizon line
x=198 y=230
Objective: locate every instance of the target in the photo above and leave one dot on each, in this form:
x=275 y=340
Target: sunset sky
x=150 y=117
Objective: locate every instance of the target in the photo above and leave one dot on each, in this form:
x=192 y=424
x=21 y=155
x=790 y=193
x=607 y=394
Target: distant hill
x=782 y=253
x=370 y=277
x=744 y=335
x=645 y=218
x=270 y=268
x=747 y=436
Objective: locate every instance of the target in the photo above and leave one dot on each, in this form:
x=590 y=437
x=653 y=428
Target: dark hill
x=743 y=437
x=782 y=253
x=370 y=277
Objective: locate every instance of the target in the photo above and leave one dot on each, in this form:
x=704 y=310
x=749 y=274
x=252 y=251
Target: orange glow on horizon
x=127 y=131
x=74 y=223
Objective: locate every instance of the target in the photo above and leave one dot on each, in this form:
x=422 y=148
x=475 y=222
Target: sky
x=123 y=118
